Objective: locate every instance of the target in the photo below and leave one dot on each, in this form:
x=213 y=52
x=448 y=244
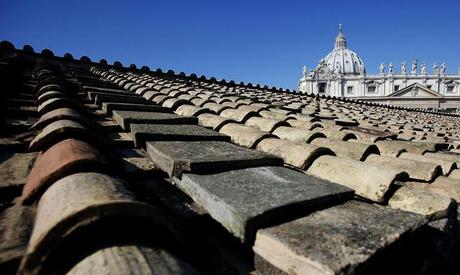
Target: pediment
x=415 y=91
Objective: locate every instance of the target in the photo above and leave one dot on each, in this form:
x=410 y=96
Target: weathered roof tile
x=77 y=201
x=300 y=155
x=295 y=134
x=64 y=158
x=108 y=107
x=369 y=181
x=243 y=200
x=333 y=241
x=172 y=132
x=417 y=170
x=446 y=165
x=243 y=135
x=59 y=114
x=177 y=157
x=432 y=205
x=126 y=118
x=57 y=131
x=212 y=121
x=349 y=150
x=125 y=259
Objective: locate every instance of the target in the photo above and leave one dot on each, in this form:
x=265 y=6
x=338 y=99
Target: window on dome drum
x=396 y=87
x=371 y=89
x=350 y=90
x=450 y=88
x=321 y=88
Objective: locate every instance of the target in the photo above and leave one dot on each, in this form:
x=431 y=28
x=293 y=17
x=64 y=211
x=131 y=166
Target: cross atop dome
x=340 y=41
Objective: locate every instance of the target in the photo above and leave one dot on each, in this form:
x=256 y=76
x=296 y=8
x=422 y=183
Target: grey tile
x=172 y=132
x=244 y=200
x=177 y=157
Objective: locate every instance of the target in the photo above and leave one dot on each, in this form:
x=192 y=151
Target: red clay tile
x=58 y=114
x=79 y=201
x=64 y=158
x=58 y=131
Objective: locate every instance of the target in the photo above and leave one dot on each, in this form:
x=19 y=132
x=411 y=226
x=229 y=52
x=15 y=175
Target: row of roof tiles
x=7 y=47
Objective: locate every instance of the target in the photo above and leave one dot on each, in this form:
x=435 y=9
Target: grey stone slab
x=125 y=118
x=247 y=199
x=199 y=157
x=104 y=90
x=336 y=240
x=108 y=107
x=92 y=94
x=98 y=98
x=172 y=132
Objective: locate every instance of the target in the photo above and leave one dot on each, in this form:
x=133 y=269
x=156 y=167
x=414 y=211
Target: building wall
x=384 y=84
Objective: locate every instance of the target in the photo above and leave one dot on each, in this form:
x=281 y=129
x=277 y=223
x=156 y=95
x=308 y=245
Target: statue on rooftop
x=443 y=68
x=414 y=67
x=423 y=69
x=382 y=68
x=435 y=69
x=390 y=68
x=403 y=68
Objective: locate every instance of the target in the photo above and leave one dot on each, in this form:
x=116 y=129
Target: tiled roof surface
x=113 y=170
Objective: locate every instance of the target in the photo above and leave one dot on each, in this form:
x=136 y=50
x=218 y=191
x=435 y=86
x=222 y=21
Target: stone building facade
x=342 y=74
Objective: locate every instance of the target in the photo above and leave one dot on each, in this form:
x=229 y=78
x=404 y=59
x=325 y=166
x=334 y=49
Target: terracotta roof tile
x=243 y=135
x=60 y=114
x=57 y=131
x=89 y=197
x=349 y=150
x=190 y=110
x=212 y=121
x=124 y=259
x=49 y=95
x=265 y=124
x=356 y=175
x=298 y=135
x=237 y=115
x=300 y=155
x=417 y=170
x=63 y=158
x=432 y=205
x=444 y=185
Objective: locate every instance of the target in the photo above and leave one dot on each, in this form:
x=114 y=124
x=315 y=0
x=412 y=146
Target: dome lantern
x=340 y=41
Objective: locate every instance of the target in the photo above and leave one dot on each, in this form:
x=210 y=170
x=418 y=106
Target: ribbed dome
x=343 y=60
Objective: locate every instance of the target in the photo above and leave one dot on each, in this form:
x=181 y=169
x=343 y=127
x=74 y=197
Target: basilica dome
x=342 y=60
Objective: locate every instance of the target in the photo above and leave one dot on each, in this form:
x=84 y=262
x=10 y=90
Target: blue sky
x=264 y=42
